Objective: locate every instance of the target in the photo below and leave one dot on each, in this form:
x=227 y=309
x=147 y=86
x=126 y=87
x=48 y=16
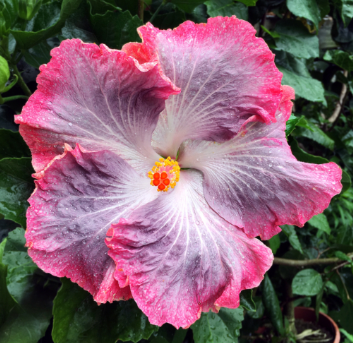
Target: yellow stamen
x=164 y=174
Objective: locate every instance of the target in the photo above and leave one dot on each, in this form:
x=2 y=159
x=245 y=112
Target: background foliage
x=313 y=44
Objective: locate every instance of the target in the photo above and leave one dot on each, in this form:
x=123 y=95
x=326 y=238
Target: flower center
x=165 y=174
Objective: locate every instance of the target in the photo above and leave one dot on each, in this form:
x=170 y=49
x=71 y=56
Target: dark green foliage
x=312 y=42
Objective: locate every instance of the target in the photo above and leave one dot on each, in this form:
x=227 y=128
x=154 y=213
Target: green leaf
x=246 y=300
x=271 y=303
x=249 y=2
x=8 y=13
x=305 y=87
x=318 y=302
x=346 y=181
x=274 y=243
x=46 y=23
x=12 y=145
x=30 y=317
x=16 y=186
x=342 y=256
x=4 y=73
x=292 y=122
x=40 y=53
x=225 y=8
x=303 y=156
x=340 y=58
x=78 y=318
x=346 y=11
x=349 y=336
x=313 y=132
x=260 y=309
x=307 y=9
x=218 y=327
x=307 y=282
x=6 y=301
x=345 y=316
x=186 y=5
x=116 y=28
x=78 y=25
x=295 y=39
x=320 y=222
x=102 y=6
x=290 y=232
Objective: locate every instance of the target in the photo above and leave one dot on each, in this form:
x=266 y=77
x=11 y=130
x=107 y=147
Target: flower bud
x=4 y=73
x=28 y=8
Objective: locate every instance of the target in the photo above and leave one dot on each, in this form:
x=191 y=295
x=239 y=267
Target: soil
x=325 y=336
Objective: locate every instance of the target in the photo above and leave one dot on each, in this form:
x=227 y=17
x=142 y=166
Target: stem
x=306 y=263
x=289 y=309
x=157 y=11
x=344 y=285
x=21 y=82
x=15 y=97
x=140 y=9
x=339 y=104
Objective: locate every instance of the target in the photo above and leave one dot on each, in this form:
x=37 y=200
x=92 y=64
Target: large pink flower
x=207 y=96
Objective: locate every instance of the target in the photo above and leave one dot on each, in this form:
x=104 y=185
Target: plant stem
x=289 y=309
x=15 y=97
x=306 y=263
x=157 y=11
x=21 y=82
x=343 y=284
x=140 y=9
x=339 y=104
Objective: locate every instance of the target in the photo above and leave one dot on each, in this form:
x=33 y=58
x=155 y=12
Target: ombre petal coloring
x=254 y=182
x=225 y=73
x=181 y=258
x=97 y=97
x=77 y=198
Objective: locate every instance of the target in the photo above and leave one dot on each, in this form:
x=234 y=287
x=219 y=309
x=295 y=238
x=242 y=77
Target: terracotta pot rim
x=333 y=323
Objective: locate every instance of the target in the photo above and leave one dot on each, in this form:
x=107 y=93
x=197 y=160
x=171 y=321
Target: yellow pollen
x=164 y=174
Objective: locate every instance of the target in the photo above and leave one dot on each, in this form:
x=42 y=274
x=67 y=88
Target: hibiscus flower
x=158 y=165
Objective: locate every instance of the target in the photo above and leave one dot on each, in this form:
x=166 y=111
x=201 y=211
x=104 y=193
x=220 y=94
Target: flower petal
x=95 y=96
x=77 y=197
x=181 y=258
x=226 y=75
x=254 y=182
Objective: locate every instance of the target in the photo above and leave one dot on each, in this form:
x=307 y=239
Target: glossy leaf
x=115 y=28
x=40 y=53
x=16 y=185
x=226 y=8
x=218 y=327
x=47 y=22
x=290 y=232
x=346 y=181
x=78 y=318
x=346 y=315
x=340 y=58
x=305 y=87
x=320 y=222
x=6 y=301
x=274 y=243
x=292 y=122
x=30 y=317
x=295 y=39
x=12 y=145
x=303 y=156
x=271 y=303
x=307 y=282
x=316 y=134
x=307 y=9
x=247 y=301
